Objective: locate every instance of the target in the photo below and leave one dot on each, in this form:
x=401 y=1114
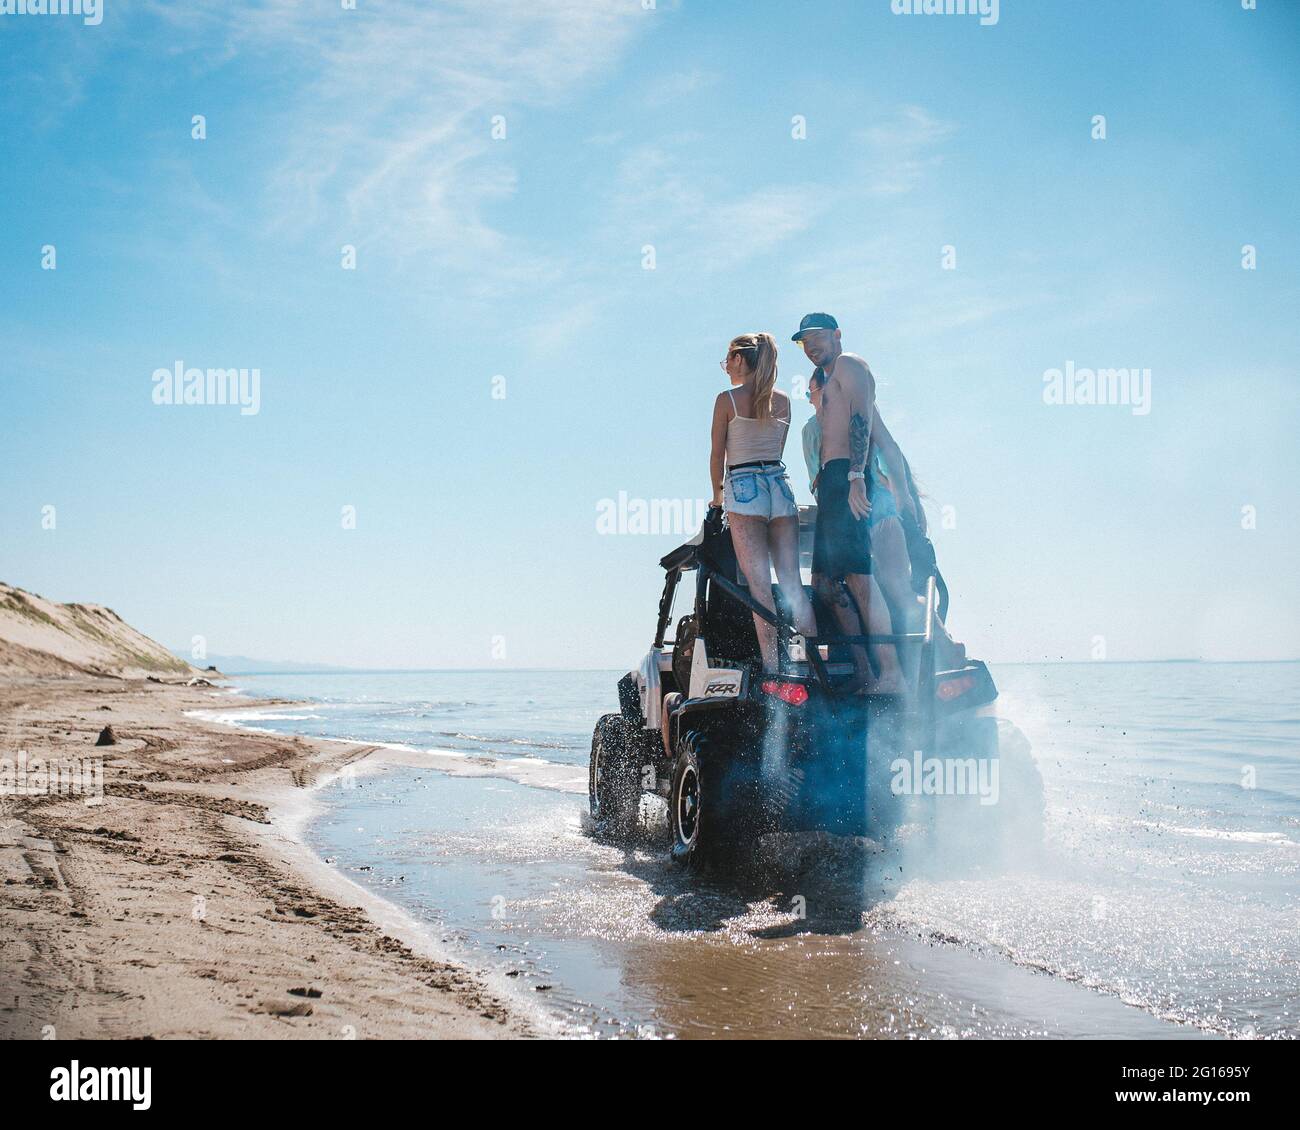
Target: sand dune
x=41 y=638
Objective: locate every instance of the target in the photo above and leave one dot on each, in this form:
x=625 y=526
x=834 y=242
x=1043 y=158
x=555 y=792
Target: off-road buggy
x=736 y=753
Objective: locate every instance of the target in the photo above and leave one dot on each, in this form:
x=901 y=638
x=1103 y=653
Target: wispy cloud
x=387 y=125
x=674 y=192
x=702 y=219
x=904 y=148
x=675 y=85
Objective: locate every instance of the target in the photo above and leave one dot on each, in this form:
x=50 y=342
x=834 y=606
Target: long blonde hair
x=759 y=351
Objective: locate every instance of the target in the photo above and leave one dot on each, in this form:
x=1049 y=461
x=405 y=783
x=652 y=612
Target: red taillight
x=796 y=694
x=954 y=688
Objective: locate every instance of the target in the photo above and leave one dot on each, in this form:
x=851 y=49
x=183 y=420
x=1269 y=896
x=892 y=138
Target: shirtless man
x=894 y=504
x=842 y=543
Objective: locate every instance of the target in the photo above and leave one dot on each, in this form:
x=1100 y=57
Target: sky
x=561 y=213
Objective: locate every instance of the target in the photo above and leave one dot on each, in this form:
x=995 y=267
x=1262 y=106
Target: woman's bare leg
x=783 y=542
x=749 y=537
x=893 y=570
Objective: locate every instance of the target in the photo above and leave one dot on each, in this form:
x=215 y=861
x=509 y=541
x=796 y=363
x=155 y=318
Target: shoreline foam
x=183 y=905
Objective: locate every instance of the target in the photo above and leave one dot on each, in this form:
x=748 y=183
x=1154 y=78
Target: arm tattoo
x=859 y=439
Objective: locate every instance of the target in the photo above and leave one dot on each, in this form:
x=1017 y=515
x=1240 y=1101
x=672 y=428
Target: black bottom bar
x=962 y=1079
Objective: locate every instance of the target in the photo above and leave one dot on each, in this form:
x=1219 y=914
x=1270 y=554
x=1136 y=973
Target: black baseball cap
x=815 y=322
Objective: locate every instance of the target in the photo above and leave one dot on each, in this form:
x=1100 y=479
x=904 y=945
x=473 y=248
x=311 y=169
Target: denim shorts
x=883 y=505
x=759 y=492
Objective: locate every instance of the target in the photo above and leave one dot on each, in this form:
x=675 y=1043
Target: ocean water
x=540 y=714
x=1162 y=900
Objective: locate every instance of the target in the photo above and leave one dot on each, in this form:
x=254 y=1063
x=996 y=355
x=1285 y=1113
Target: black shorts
x=841 y=542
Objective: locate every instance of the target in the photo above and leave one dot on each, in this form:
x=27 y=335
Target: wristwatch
x=857 y=475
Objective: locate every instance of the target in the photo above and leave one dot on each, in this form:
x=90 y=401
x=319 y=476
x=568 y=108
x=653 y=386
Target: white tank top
x=751 y=440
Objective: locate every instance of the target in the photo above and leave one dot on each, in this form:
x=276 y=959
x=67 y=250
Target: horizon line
x=328 y=669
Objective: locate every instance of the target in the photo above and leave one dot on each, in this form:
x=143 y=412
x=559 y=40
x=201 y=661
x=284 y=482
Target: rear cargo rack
x=787 y=632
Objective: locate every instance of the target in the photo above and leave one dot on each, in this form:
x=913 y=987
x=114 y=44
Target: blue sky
x=521 y=257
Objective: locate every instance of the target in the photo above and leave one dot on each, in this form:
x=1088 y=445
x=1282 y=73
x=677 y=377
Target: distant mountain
x=40 y=637
x=243 y=665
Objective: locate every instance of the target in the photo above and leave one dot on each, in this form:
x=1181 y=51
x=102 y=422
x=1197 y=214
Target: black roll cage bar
x=679 y=562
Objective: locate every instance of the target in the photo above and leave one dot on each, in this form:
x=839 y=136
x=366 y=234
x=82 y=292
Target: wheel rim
x=688 y=806
x=597 y=772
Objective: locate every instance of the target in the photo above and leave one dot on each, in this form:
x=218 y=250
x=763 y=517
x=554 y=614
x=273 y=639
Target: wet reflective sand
x=617 y=941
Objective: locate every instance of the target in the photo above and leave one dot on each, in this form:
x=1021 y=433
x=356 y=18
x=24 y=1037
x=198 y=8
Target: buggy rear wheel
x=614 y=777
x=692 y=808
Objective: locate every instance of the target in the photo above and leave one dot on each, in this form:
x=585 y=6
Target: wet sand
x=619 y=942
x=182 y=906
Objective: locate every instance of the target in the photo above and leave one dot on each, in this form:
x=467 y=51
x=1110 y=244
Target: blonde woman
x=750 y=423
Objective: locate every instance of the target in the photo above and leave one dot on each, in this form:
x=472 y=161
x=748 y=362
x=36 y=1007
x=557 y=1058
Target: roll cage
x=711 y=555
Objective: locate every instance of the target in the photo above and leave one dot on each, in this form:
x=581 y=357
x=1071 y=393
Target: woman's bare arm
x=895 y=464
x=718 y=454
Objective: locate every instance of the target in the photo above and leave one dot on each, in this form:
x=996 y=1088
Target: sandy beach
x=245 y=867
x=182 y=905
